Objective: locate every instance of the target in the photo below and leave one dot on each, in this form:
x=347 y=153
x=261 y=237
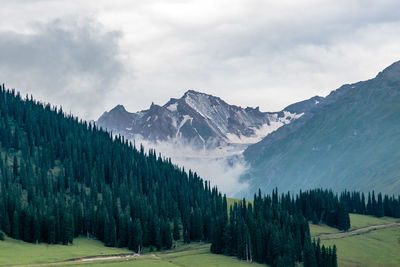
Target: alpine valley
x=346 y=140
x=64 y=181
x=108 y=157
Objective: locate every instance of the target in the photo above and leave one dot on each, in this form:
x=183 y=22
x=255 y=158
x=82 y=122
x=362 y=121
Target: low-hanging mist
x=222 y=166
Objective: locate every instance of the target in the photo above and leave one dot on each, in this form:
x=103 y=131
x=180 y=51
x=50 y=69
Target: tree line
x=382 y=205
x=325 y=206
x=269 y=231
x=318 y=206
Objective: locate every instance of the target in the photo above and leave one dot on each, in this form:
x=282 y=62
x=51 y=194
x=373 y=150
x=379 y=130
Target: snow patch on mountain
x=185 y=119
x=173 y=107
x=262 y=131
x=210 y=108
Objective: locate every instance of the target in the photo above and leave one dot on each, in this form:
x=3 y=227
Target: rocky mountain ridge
x=198 y=119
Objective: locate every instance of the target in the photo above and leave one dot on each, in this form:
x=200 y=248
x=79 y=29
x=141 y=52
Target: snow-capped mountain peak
x=196 y=118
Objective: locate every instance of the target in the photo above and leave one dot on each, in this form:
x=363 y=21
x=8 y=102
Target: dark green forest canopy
x=61 y=177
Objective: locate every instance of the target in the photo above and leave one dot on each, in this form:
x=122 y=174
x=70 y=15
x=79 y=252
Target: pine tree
x=51 y=228
x=343 y=219
x=35 y=229
x=309 y=253
x=334 y=257
x=15 y=226
x=68 y=229
x=166 y=238
x=315 y=218
x=6 y=227
x=109 y=232
x=176 y=231
x=379 y=210
x=123 y=234
x=370 y=210
x=137 y=236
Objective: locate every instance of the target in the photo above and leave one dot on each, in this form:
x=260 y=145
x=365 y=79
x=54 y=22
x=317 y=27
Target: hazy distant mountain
x=350 y=140
x=199 y=119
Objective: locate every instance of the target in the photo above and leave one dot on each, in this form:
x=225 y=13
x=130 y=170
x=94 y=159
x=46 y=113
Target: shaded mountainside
x=350 y=140
x=199 y=119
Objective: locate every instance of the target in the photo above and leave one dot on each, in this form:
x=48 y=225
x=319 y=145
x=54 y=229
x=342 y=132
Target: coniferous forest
x=61 y=178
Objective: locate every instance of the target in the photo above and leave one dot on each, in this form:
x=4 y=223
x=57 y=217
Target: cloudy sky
x=89 y=56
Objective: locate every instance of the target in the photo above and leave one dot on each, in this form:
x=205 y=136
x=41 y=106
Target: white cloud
x=249 y=52
x=69 y=62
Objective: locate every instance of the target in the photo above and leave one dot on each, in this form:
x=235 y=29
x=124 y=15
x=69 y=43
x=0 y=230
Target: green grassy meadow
x=359 y=221
x=19 y=253
x=375 y=248
x=380 y=247
x=316 y=230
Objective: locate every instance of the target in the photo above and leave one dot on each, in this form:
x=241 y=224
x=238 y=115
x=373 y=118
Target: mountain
x=199 y=119
x=350 y=140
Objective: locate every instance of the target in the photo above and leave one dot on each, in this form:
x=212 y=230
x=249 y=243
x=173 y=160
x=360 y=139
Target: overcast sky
x=89 y=56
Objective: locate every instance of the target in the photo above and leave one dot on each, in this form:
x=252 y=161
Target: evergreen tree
x=6 y=227
x=15 y=225
x=123 y=230
x=370 y=210
x=68 y=229
x=35 y=229
x=379 y=210
x=51 y=228
x=166 y=238
x=110 y=235
x=334 y=257
x=137 y=236
x=176 y=231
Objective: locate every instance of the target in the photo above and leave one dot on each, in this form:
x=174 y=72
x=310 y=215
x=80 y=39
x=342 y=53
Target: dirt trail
x=92 y=258
x=357 y=231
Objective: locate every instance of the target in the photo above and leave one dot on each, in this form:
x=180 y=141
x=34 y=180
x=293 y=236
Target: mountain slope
x=350 y=140
x=199 y=119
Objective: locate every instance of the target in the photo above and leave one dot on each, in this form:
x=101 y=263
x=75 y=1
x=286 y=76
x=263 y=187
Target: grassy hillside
x=376 y=248
x=379 y=247
x=316 y=230
x=359 y=221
